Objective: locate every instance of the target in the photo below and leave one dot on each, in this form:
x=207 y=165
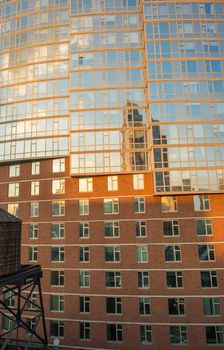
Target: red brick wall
x=128 y=266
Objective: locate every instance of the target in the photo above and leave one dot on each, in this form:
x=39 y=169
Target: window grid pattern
x=176 y=306
x=106 y=79
x=174 y=279
x=185 y=61
x=209 y=279
x=175 y=47
x=204 y=227
x=111 y=229
x=211 y=306
x=172 y=253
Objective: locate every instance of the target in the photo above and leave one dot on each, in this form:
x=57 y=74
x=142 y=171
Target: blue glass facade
x=110 y=122
x=34 y=79
x=120 y=86
x=184 y=46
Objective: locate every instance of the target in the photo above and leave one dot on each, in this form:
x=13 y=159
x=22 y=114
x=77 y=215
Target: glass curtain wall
x=184 y=48
x=109 y=121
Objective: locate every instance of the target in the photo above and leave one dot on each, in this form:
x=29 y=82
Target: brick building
x=111 y=151
x=122 y=267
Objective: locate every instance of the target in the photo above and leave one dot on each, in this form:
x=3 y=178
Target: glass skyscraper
x=119 y=86
x=184 y=50
x=112 y=154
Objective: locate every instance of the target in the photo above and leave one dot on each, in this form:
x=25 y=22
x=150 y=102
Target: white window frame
x=61 y=230
x=58 y=165
x=117 y=282
x=84 y=279
x=117 y=305
x=60 y=328
x=59 y=300
x=60 y=277
x=213 y=279
x=140 y=229
x=139 y=205
x=180 y=303
x=14 y=170
x=86 y=184
x=145 y=334
x=114 y=252
x=32 y=301
x=35 y=168
x=35 y=188
x=33 y=230
x=178 y=279
x=169 y=204
x=84 y=229
x=60 y=209
x=85 y=300
x=182 y=334
x=83 y=207
x=114 y=227
x=33 y=253
x=86 y=330
x=13 y=208
x=58 y=186
x=214 y=305
x=138 y=181
x=114 y=205
x=207 y=226
x=176 y=251
x=9 y=298
x=144 y=304
x=112 y=183
x=60 y=254
x=84 y=254
x=143 y=280
x=142 y=253
x=204 y=202
x=174 y=226
x=219 y=334
x=34 y=209
x=118 y=333
x=13 y=189
x=210 y=249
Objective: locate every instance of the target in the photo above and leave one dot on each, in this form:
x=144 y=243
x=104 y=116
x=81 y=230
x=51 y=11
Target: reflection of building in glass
x=134 y=140
x=130 y=91
x=68 y=95
x=160 y=157
x=132 y=116
x=111 y=71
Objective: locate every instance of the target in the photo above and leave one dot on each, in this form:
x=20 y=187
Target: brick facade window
x=84 y=329
x=145 y=334
x=84 y=304
x=174 y=279
x=144 y=306
x=114 y=305
x=211 y=306
x=143 y=279
x=209 y=279
x=56 y=328
x=178 y=335
x=176 y=306
x=114 y=332
x=214 y=335
x=57 y=278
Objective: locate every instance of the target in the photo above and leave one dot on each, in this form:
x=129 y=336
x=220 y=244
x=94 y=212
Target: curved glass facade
x=74 y=84
x=110 y=123
x=118 y=85
x=34 y=79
